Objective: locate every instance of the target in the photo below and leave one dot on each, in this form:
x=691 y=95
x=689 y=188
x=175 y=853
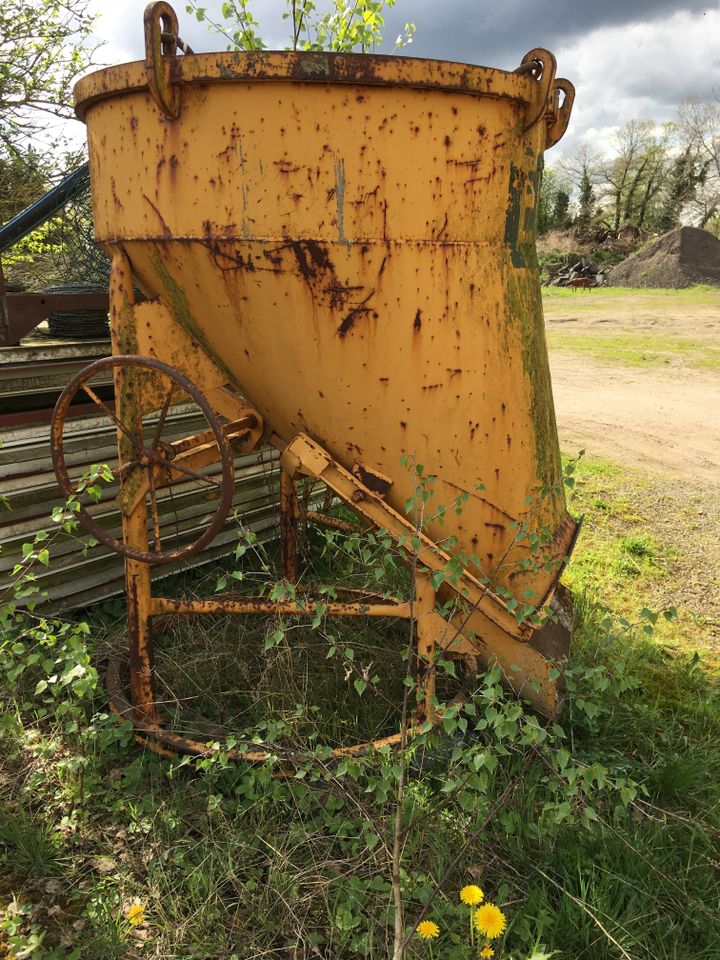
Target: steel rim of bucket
x=69 y=489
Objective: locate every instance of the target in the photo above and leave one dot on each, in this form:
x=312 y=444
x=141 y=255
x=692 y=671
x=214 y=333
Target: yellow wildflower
x=490 y=921
x=135 y=914
x=472 y=895
x=427 y=930
x=487 y=951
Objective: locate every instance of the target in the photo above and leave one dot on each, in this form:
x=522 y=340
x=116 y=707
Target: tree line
x=45 y=46
x=655 y=178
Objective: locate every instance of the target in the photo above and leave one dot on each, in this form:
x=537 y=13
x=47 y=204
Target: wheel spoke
x=174 y=465
x=118 y=423
x=161 y=421
x=142 y=447
x=123 y=468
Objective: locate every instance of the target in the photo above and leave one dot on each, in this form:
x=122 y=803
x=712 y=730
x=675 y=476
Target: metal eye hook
x=540 y=65
x=161 y=45
x=559 y=118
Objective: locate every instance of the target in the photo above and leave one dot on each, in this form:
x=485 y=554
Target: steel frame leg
x=137 y=575
x=289 y=515
x=432 y=633
x=429 y=635
x=427 y=646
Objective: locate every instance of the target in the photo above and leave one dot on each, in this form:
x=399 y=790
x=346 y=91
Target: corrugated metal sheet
x=75 y=578
x=40 y=366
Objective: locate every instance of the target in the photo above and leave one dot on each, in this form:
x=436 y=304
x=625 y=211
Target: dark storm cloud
x=498 y=32
x=493 y=32
x=669 y=87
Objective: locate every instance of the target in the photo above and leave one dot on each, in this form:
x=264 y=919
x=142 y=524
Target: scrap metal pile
x=583 y=273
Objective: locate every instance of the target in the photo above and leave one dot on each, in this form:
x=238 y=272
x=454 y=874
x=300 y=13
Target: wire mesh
x=77 y=257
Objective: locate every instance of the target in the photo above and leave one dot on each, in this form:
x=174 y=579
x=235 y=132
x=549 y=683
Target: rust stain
x=358 y=311
x=372 y=479
x=349 y=320
x=286 y=166
x=165 y=228
x=340 y=293
x=310 y=257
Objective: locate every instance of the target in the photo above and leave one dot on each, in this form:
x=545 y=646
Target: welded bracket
x=483 y=626
x=303 y=455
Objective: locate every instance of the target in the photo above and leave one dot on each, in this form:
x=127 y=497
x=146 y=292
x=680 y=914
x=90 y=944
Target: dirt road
x=660 y=411
x=668 y=422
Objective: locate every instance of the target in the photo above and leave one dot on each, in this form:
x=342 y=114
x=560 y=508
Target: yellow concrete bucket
x=346 y=242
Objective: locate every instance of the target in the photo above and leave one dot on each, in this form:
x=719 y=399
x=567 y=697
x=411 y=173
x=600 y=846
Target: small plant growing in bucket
x=351 y=25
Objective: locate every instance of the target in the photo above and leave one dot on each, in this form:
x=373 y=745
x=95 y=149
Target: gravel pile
x=681 y=258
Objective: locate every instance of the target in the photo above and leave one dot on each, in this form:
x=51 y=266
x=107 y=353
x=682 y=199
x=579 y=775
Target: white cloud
x=120 y=26
x=641 y=71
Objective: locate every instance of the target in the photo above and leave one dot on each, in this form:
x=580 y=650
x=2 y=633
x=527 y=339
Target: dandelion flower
x=472 y=895
x=487 y=951
x=427 y=930
x=135 y=914
x=490 y=921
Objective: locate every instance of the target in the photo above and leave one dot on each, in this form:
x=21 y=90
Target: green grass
x=232 y=863
x=643 y=542
x=645 y=349
x=31 y=842
x=698 y=294
x=229 y=864
x=616 y=341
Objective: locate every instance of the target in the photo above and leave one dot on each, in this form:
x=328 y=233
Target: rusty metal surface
x=428 y=269
x=345 y=245
x=251 y=605
x=161 y=31
x=372 y=479
x=542 y=67
x=562 y=109
x=145 y=459
x=24 y=311
x=311 y=67
x=335 y=522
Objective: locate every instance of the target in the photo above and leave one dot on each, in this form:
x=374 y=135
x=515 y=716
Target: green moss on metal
x=523 y=305
x=535 y=175
x=523 y=309
x=125 y=329
x=133 y=485
x=521 y=215
x=513 y=215
x=177 y=302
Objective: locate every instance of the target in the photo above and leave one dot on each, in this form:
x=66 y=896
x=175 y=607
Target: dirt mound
x=678 y=259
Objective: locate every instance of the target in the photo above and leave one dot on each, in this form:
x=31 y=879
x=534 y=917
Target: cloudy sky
x=627 y=58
